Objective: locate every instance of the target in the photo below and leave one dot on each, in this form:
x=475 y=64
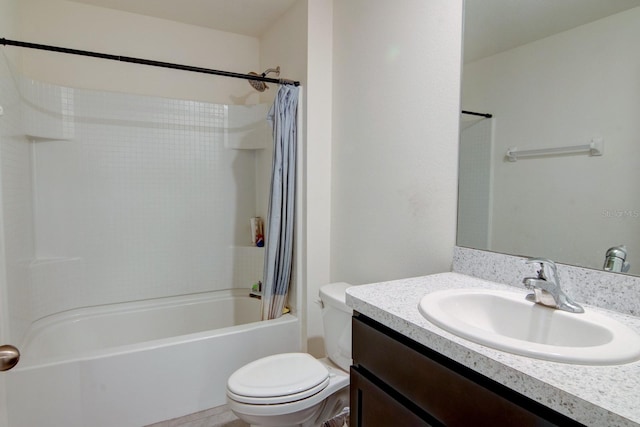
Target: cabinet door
x=438 y=388
x=372 y=407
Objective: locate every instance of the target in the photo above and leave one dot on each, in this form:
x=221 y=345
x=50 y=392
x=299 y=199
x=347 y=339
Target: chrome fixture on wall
x=261 y=86
x=615 y=260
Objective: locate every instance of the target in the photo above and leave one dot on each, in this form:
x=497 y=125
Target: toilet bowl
x=295 y=389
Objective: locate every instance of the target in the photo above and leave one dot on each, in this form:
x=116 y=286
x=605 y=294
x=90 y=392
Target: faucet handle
x=540 y=261
x=546 y=287
x=548 y=269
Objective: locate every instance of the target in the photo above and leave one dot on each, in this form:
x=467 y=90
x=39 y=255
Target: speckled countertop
x=592 y=395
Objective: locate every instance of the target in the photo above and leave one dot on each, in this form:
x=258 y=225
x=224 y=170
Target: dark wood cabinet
x=377 y=408
x=396 y=381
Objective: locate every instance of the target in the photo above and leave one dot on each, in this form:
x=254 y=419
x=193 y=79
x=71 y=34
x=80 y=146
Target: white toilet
x=295 y=389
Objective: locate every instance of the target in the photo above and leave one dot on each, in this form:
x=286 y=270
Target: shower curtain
x=278 y=260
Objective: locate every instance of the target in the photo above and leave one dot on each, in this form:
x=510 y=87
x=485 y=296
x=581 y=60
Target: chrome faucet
x=616 y=260
x=546 y=287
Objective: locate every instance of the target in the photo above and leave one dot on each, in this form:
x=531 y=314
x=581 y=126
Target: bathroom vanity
x=407 y=383
x=407 y=371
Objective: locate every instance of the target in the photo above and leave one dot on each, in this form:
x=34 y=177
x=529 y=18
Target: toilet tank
x=336 y=319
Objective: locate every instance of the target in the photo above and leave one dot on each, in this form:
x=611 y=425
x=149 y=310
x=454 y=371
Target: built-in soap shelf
x=249 y=247
x=38 y=262
x=39 y=138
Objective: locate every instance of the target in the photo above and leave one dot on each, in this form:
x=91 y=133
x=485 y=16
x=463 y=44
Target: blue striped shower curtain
x=278 y=259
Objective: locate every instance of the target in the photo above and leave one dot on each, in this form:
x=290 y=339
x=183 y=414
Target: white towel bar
x=594 y=148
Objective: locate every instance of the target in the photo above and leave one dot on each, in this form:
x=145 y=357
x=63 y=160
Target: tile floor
x=220 y=416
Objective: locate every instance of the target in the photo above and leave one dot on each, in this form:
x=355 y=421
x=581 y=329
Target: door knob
x=9 y=357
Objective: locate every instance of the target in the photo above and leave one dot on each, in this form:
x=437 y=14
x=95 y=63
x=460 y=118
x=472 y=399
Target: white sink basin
x=506 y=321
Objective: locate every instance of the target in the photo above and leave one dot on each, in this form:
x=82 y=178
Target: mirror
x=561 y=76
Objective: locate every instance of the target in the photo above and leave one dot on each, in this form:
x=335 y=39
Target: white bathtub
x=137 y=363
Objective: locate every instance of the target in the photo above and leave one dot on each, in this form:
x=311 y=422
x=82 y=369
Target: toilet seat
x=281 y=378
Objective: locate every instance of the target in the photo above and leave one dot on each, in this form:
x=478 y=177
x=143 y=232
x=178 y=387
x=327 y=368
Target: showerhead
x=262 y=86
x=256 y=84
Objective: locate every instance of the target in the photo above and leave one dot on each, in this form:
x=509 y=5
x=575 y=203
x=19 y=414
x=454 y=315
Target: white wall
x=8 y=18
x=395 y=138
x=565 y=90
x=79 y=26
x=317 y=170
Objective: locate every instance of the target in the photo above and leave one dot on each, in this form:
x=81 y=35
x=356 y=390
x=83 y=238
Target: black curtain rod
x=8 y=42
x=473 y=113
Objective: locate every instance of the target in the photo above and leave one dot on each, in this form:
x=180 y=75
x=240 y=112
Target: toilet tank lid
x=334 y=295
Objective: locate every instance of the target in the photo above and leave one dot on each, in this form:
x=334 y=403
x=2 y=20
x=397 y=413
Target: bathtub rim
x=135 y=306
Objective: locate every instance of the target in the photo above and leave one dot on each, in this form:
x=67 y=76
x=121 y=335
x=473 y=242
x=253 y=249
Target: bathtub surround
x=278 y=262
x=146 y=183
x=17 y=210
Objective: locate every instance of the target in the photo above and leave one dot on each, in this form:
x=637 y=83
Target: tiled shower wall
x=133 y=197
x=16 y=225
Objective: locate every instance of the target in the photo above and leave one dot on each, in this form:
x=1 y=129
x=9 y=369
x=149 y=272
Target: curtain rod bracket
x=473 y=113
